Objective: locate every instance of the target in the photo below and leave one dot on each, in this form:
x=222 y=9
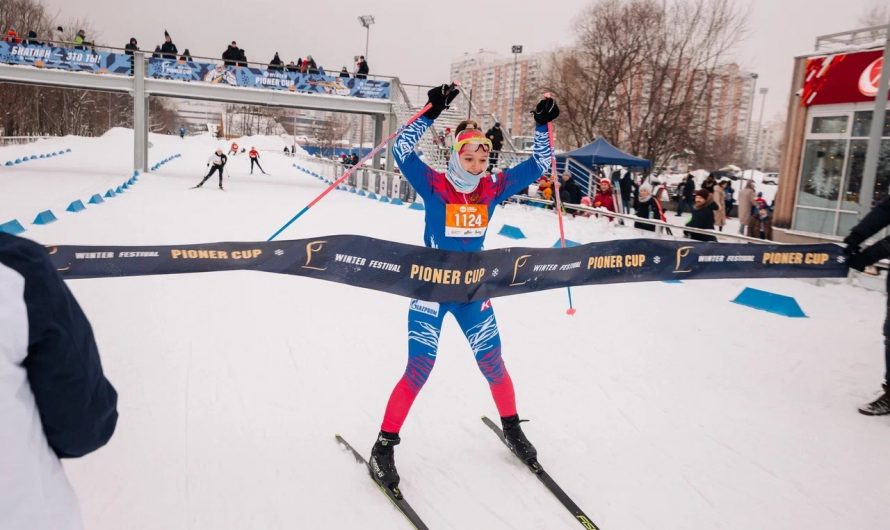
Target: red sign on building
x=842 y=78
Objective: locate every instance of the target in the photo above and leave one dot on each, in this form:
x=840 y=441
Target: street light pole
x=517 y=49
x=365 y=21
x=758 y=147
x=748 y=128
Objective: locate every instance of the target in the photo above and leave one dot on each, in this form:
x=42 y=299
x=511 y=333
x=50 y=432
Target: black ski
x=393 y=494
x=547 y=480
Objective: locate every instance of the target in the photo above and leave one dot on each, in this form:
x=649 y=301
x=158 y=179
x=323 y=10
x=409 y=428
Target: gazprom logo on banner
x=429 y=308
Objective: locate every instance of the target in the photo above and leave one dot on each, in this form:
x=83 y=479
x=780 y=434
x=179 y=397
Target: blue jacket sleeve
x=77 y=404
x=521 y=175
x=417 y=173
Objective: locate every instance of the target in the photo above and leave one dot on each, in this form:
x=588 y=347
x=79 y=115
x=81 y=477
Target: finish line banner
x=443 y=276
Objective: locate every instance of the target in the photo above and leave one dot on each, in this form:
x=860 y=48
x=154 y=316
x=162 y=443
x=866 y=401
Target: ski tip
x=570 y=311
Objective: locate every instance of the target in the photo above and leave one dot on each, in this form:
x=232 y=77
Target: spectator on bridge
x=291 y=67
x=32 y=39
x=168 y=49
x=12 y=36
x=186 y=56
x=361 y=68
x=344 y=73
x=131 y=46
x=242 y=57
x=231 y=55
x=80 y=40
x=311 y=67
x=302 y=65
x=276 y=65
x=496 y=136
x=157 y=52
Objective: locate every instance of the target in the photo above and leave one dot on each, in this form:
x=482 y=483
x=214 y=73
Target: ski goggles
x=481 y=143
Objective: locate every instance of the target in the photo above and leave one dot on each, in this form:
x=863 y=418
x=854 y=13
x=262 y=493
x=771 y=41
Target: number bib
x=466 y=220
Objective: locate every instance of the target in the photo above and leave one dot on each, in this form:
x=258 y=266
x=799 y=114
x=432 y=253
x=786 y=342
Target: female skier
x=459 y=204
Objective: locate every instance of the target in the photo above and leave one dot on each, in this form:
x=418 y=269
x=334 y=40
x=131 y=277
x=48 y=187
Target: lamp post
x=748 y=128
x=758 y=147
x=365 y=21
x=517 y=49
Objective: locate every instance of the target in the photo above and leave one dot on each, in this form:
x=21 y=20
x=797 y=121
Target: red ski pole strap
x=445 y=276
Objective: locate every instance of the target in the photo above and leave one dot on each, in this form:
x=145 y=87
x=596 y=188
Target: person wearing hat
x=168 y=49
x=232 y=54
x=80 y=40
x=12 y=36
x=604 y=197
x=458 y=206
x=496 y=136
x=218 y=161
x=131 y=46
x=703 y=209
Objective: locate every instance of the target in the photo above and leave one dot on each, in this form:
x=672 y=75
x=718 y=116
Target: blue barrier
x=672 y=281
x=118 y=191
x=76 y=206
x=68 y=150
x=96 y=199
x=42 y=156
x=416 y=206
x=45 y=217
x=109 y=194
x=361 y=193
x=9 y=163
x=18 y=160
x=12 y=227
x=372 y=195
x=384 y=198
x=397 y=201
x=771 y=302
x=513 y=232
x=33 y=157
x=569 y=244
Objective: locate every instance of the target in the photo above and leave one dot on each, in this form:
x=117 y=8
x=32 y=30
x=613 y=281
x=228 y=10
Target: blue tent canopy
x=600 y=152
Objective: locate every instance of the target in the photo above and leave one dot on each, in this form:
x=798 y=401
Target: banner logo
x=427 y=308
x=871 y=78
x=311 y=248
x=518 y=264
x=682 y=252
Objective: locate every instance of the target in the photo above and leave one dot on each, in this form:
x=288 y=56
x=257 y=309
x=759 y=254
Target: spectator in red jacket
x=12 y=37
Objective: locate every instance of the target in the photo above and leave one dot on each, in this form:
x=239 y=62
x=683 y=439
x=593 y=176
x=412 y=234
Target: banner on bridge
x=69 y=59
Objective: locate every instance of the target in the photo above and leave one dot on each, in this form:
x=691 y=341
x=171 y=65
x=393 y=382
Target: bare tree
x=330 y=136
x=639 y=72
x=877 y=14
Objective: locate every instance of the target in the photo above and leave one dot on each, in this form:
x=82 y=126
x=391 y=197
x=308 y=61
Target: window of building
x=820 y=177
x=829 y=125
x=862 y=124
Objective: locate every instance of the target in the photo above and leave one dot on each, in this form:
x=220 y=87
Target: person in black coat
x=242 y=57
x=31 y=40
x=859 y=259
x=626 y=186
x=312 y=68
x=496 y=136
x=275 y=64
x=157 y=52
x=361 y=68
x=291 y=67
x=186 y=56
x=231 y=55
x=168 y=49
x=569 y=191
x=702 y=216
x=131 y=46
x=687 y=190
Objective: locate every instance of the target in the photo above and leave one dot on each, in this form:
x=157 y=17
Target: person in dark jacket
x=569 y=192
x=157 y=53
x=709 y=183
x=31 y=40
x=231 y=55
x=687 y=190
x=186 y=56
x=361 y=68
x=644 y=206
x=242 y=57
x=311 y=67
x=292 y=67
x=55 y=401
x=168 y=49
x=760 y=223
x=859 y=259
x=702 y=216
x=626 y=187
x=496 y=136
x=131 y=46
x=344 y=73
x=275 y=64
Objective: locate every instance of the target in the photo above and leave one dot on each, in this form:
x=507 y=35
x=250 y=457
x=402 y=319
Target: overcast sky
x=417 y=40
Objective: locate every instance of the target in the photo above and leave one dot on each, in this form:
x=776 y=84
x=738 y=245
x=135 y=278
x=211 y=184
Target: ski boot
x=382 y=462
x=878 y=407
x=516 y=440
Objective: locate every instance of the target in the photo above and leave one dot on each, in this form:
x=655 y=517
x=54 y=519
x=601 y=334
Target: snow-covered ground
x=656 y=406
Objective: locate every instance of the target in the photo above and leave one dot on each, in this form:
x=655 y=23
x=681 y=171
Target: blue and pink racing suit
x=476 y=319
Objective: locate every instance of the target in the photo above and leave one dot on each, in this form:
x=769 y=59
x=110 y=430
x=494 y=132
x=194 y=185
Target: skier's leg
x=252 y=161
x=478 y=323
x=207 y=176
x=261 y=167
x=424 y=326
x=220 y=169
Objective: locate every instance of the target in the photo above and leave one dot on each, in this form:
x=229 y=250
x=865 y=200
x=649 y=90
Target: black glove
x=858 y=261
x=546 y=111
x=439 y=99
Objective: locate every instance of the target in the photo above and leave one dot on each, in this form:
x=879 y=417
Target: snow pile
x=656 y=406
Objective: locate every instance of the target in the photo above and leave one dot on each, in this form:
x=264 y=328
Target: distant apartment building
x=487 y=79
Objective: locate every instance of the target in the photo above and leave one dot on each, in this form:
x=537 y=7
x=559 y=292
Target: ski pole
x=562 y=234
x=351 y=170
